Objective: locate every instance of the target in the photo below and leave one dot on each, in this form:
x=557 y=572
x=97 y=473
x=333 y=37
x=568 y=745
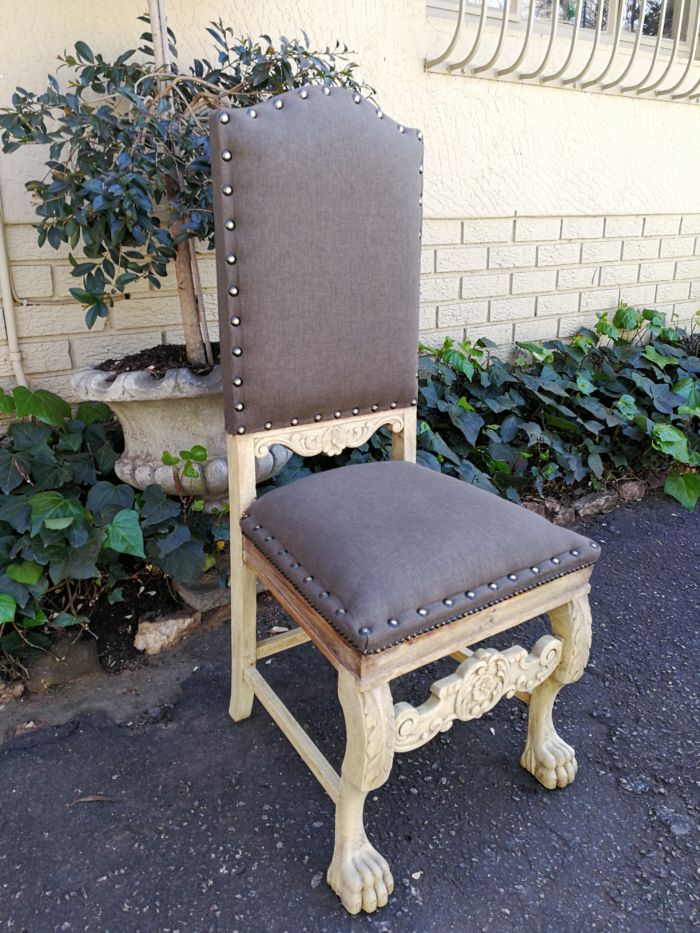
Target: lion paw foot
x=361 y=878
x=551 y=761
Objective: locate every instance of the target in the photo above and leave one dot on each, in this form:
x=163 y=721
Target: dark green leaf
x=8 y=607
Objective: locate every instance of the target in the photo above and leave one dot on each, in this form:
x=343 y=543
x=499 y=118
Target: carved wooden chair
x=389 y=566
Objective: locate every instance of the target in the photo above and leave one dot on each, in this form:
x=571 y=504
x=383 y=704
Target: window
x=639 y=47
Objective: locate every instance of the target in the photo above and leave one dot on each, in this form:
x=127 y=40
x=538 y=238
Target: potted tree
x=128 y=190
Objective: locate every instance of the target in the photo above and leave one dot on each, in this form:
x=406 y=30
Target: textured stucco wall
x=495 y=150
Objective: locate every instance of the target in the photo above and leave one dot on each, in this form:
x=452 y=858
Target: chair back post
x=403 y=442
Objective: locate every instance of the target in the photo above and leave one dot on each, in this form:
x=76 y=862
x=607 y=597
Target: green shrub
x=69 y=530
x=127 y=181
x=621 y=401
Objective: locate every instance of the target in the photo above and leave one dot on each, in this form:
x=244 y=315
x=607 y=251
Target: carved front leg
x=548 y=757
x=358 y=874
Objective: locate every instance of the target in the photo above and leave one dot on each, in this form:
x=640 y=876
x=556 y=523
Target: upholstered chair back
x=317 y=199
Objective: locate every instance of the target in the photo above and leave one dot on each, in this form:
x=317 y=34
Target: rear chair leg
x=358 y=874
x=241 y=486
x=547 y=757
x=243 y=612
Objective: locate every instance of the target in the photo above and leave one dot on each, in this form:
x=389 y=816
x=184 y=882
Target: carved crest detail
x=329 y=438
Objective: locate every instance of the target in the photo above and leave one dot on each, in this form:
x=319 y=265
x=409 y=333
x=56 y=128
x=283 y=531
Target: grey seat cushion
x=384 y=551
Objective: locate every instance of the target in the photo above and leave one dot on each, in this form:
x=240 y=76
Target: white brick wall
x=505 y=278
x=564 y=270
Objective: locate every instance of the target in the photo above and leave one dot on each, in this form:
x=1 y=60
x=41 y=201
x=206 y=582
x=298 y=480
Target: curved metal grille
x=637 y=48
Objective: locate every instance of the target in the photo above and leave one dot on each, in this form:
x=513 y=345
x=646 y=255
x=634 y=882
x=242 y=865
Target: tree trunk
x=194 y=339
x=194 y=345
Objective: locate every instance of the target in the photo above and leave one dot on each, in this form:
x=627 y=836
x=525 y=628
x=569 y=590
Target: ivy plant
x=70 y=531
x=127 y=184
x=619 y=401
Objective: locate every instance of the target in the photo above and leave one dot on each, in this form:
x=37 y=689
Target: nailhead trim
x=278 y=104
x=396 y=623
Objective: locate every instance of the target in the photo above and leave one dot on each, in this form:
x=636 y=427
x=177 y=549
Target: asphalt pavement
x=175 y=819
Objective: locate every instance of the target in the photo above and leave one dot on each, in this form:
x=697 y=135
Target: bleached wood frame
x=375 y=728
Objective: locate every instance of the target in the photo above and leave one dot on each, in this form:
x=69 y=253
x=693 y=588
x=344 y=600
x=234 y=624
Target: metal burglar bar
x=636 y=48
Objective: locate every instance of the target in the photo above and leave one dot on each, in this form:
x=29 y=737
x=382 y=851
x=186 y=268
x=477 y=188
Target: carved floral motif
x=474 y=688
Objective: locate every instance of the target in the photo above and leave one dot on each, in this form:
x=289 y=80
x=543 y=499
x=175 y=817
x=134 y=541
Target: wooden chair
x=385 y=567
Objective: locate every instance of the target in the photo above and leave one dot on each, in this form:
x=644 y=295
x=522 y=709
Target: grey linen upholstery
x=317 y=198
x=384 y=551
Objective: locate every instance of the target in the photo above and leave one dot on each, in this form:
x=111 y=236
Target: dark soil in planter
x=158 y=360
x=145 y=597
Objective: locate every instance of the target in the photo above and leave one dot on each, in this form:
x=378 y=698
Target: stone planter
x=172 y=413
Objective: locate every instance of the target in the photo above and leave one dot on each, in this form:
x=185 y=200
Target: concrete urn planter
x=172 y=413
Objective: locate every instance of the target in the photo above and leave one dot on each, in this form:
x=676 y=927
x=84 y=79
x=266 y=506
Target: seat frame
x=376 y=728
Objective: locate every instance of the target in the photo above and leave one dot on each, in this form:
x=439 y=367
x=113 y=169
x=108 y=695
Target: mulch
x=159 y=360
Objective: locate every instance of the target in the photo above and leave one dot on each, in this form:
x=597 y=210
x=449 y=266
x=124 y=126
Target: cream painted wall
x=542 y=206
x=492 y=148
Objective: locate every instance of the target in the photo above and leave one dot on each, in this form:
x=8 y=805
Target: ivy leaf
x=8 y=608
x=49 y=408
x=469 y=422
x=28 y=572
x=156 y=506
x=7 y=403
x=66 y=619
x=105 y=499
x=596 y=465
x=13 y=469
x=124 y=534
x=185 y=564
x=16 y=511
x=76 y=563
x=178 y=536
x=626 y=318
x=664 y=400
x=584 y=384
x=685 y=488
x=35 y=619
x=116 y=595
x=23 y=401
x=93 y=412
x=198 y=453
x=650 y=353
x=26 y=435
x=670 y=441
x=627 y=405
x=54 y=511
